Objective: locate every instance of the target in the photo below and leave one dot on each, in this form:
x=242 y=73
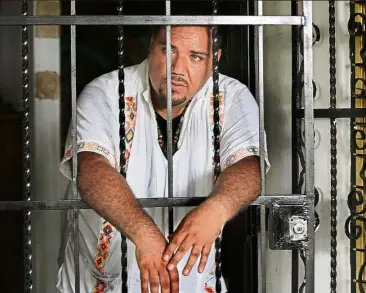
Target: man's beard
x=163 y=99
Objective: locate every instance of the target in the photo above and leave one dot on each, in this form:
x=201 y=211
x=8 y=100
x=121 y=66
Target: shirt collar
x=144 y=73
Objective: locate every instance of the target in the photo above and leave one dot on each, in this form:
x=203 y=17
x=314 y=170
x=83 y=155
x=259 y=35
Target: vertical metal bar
x=74 y=149
x=122 y=134
x=295 y=140
x=333 y=148
x=260 y=97
x=216 y=132
x=169 y=115
x=26 y=159
x=309 y=141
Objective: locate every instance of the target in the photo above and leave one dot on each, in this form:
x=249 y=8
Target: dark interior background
x=96 y=54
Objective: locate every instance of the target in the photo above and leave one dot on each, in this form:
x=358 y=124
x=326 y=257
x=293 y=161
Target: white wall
x=277 y=63
x=49 y=184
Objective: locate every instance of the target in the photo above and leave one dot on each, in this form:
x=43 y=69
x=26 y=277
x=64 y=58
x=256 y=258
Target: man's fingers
x=144 y=276
x=164 y=281
x=174 y=281
x=172 y=246
x=154 y=281
x=195 y=253
x=182 y=250
x=204 y=257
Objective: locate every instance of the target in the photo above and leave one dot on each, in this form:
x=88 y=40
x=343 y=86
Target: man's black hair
x=180 y=8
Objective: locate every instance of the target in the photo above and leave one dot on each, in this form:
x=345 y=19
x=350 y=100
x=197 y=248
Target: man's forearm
x=236 y=188
x=107 y=192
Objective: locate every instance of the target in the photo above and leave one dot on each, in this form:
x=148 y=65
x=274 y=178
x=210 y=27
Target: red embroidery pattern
x=100 y=286
x=221 y=109
x=209 y=289
x=130 y=114
x=108 y=231
x=104 y=243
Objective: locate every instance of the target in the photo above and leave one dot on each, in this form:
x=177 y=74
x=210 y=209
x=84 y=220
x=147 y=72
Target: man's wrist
x=146 y=232
x=224 y=207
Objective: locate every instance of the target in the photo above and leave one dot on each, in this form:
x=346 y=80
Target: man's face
x=191 y=53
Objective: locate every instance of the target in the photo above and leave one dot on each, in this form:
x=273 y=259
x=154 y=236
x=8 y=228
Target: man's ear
x=152 y=40
x=219 y=54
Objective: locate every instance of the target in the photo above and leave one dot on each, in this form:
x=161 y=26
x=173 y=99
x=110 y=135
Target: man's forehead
x=201 y=32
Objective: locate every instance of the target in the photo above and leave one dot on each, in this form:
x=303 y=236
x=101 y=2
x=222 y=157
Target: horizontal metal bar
x=334 y=113
x=145 y=202
x=151 y=20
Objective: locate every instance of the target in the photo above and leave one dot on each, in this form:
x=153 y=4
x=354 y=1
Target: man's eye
x=196 y=58
x=171 y=50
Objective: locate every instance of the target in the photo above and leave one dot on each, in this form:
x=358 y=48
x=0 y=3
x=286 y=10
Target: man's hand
x=199 y=230
x=153 y=269
x=237 y=186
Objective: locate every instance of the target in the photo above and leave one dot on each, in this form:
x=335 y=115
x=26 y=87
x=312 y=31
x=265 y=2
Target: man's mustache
x=177 y=79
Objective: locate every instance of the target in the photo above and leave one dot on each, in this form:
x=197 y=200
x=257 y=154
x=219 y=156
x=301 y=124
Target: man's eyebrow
x=163 y=43
x=199 y=53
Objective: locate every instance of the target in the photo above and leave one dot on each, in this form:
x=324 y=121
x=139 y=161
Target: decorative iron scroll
x=333 y=149
x=355 y=223
x=299 y=144
x=26 y=154
x=122 y=134
x=216 y=135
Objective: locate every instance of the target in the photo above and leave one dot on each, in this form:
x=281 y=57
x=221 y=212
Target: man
x=158 y=262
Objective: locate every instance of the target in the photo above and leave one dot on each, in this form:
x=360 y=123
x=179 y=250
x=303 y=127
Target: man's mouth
x=177 y=84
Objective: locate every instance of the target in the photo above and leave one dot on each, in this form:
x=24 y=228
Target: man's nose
x=178 y=65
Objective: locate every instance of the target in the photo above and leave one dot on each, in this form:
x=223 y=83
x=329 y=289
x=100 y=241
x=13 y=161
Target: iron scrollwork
x=122 y=134
x=216 y=135
x=333 y=148
x=355 y=225
x=356 y=222
x=26 y=155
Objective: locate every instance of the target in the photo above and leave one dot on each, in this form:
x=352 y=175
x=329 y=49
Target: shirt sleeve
x=96 y=128
x=240 y=129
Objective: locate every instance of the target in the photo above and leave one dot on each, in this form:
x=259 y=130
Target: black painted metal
x=122 y=145
x=216 y=135
x=350 y=225
x=354 y=225
x=281 y=224
x=333 y=113
x=295 y=130
x=26 y=153
x=333 y=150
